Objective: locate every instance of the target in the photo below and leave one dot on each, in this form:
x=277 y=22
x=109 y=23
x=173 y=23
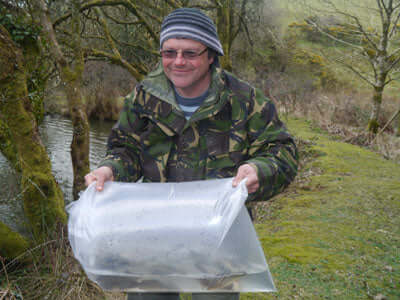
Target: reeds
x=48 y=271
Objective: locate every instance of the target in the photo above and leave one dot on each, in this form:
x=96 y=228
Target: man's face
x=191 y=77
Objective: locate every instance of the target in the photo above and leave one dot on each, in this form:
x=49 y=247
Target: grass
x=334 y=234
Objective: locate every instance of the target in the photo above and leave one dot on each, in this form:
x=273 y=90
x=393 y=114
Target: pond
x=56 y=134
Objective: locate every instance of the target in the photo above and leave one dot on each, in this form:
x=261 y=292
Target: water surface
x=56 y=134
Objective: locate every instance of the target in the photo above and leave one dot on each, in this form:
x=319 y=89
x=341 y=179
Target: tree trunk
x=37 y=69
x=373 y=123
x=71 y=76
x=12 y=244
x=80 y=137
x=224 y=27
x=43 y=199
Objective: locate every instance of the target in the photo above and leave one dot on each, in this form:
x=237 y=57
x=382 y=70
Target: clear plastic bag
x=168 y=237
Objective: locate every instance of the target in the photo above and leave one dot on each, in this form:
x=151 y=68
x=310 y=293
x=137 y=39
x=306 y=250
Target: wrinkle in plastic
x=168 y=237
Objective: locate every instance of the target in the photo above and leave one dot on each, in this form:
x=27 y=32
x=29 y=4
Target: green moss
x=373 y=126
x=43 y=199
x=6 y=146
x=12 y=244
x=335 y=233
x=43 y=202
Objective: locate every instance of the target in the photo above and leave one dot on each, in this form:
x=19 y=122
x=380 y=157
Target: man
x=190 y=120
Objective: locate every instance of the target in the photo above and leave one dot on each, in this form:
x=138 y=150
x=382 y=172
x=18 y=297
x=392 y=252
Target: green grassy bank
x=335 y=234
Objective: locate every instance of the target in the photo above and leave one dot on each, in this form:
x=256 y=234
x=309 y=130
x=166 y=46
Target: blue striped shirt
x=190 y=105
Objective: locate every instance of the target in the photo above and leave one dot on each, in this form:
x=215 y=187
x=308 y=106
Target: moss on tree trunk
x=224 y=26
x=12 y=244
x=43 y=199
x=6 y=146
x=72 y=75
x=80 y=137
x=373 y=123
x=37 y=69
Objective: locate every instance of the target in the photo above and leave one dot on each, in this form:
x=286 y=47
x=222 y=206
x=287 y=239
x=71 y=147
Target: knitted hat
x=192 y=24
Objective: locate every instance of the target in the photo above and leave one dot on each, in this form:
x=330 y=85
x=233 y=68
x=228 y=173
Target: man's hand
x=100 y=175
x=249 y=172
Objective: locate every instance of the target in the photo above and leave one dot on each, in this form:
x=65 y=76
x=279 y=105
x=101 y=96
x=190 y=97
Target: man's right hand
x=100 y=175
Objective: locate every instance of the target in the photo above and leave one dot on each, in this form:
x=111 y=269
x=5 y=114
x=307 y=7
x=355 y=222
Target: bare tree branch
x=394 y=24
x=387 y=124
x=241 y=15
x=89 y=5
x=131 y=6
x=316 y=25
x=137 y=46
x=395 y=52
x=359 y=73
x=93 y=37
x=48 y=29
x=393 y=64
x=153 y=17
x=136 y=71
x=107 y=34
x=390 y=80
x=387 y=8
x=108 y=16
x=370 y=62
x=359 y=25
x=246 y=29
x=151 y=6
x=217 y=3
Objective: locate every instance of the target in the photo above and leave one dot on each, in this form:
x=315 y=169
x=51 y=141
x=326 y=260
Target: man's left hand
x=249 y=172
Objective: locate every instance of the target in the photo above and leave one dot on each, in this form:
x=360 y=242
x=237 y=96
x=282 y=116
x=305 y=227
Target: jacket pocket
x=226 y=150
x=217 y=143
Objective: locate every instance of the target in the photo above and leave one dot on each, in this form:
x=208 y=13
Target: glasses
x=186 y=54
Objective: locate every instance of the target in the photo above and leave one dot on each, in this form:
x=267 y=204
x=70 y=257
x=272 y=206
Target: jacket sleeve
x=272 y=149
x=123 y=146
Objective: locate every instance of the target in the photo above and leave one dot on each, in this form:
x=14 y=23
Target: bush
x=104 y=87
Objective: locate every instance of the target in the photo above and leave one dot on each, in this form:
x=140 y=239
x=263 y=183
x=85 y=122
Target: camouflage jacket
x=235 y=125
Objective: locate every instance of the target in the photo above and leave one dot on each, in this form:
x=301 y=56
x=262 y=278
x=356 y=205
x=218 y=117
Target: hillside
x=335 y=233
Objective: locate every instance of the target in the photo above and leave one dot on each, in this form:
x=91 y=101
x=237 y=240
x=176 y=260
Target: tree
x=18 y=22
x=123 y=32
x=21 y=145
x=126 y=32
x=371 y=39
x=230 y=20
x=71 y=70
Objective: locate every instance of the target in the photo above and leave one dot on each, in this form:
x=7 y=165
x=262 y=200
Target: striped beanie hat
x=192 y=24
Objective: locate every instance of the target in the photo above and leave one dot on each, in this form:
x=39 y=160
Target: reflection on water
x=56 y=133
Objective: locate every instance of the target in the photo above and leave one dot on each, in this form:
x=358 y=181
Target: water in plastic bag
x=168 y=237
